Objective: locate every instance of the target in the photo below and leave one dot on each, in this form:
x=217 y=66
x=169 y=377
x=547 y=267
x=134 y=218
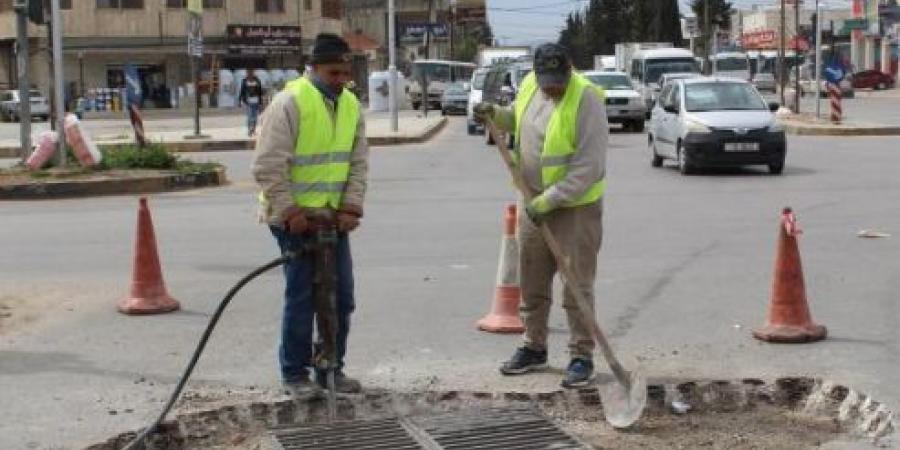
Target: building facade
x=102 y=36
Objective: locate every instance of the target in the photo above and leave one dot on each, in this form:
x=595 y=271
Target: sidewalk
x=806 y=124
x=413 y=128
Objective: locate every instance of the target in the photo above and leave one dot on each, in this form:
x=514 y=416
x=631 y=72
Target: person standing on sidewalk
x=251 y=96
x=311 y=161
x=561 y=135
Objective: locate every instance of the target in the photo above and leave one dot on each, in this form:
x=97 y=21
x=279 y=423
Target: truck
x=605 y=63
x=625 y=52
x=487 y=56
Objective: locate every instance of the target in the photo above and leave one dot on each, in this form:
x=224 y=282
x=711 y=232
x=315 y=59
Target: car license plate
x=741 y=146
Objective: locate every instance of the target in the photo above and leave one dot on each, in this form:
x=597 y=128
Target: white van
x=731 y=65
x=647 y=66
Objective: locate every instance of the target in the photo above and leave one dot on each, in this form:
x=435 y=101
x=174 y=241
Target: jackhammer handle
x=566 y=270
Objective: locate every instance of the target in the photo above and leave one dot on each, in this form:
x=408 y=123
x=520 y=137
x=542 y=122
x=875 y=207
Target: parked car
x=704 y=122
x=475 y=95
x=9 y=105
x=765 y=81
x=873 y=79
x=455 y=99
x=624 y=104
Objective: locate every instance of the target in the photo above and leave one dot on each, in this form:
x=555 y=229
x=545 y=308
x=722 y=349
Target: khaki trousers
x=579 y=231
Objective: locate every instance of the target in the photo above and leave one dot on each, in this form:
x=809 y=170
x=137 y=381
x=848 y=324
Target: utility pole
x=22 y=52
x=195 y=55
x=797 y=56
x=392 y=64
x=56 y=32
x=452 y=19
x=781 y=45
x=818 y=61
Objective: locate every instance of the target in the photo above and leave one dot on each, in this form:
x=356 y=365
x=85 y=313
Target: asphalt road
x=684 y=276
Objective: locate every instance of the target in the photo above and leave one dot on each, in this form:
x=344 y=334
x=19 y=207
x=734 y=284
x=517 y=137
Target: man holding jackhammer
x=311 y=165
x=561 y=134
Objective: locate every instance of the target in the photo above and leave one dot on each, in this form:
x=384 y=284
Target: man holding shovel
x=561 y=135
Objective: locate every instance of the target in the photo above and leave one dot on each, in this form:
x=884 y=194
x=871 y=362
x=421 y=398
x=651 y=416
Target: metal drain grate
x=385 y=434
x=496 y=429
x=492 y=429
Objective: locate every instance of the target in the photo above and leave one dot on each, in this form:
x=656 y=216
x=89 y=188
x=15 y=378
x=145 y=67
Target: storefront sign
x=263 y=39
x=759 y=40
x=415 y=31
x=195 y=35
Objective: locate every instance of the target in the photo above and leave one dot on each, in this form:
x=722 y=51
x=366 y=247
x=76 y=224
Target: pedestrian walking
x=251 y=96
x=561 y=135
x=311 y=165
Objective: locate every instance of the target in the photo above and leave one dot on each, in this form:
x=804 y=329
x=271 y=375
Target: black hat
x=551 y=64
x=330 y=48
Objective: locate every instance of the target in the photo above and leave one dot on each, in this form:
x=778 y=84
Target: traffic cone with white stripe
x=504 y=315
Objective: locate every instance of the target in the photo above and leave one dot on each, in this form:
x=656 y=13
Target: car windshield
x=433 y=71
x=478 y=81
x=732 y=64
x=656 y=68
x=611 y=82
x=722 y=97
x=34 y=94
x=455 y=89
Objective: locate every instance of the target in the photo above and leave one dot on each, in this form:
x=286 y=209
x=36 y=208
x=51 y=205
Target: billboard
x=263 y=39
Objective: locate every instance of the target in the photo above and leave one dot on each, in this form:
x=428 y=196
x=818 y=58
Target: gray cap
x=551 y=64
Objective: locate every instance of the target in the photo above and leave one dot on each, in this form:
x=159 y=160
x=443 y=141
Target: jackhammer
x=321 y=246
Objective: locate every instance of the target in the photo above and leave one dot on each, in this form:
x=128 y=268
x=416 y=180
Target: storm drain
x=493 y=429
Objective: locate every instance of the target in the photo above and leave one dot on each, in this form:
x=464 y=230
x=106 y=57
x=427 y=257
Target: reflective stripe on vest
x=561 y=134
x=324 y=146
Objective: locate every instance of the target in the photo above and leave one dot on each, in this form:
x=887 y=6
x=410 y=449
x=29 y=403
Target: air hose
x=133 y=445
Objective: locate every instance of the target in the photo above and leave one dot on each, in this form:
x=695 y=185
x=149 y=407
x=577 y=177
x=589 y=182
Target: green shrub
x=153 y=156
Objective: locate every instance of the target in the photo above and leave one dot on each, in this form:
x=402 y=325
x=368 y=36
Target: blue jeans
x=252 y=115
x=296 y=351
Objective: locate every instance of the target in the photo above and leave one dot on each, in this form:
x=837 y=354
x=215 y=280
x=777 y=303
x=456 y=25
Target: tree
x=574 y=38
x=719 y=18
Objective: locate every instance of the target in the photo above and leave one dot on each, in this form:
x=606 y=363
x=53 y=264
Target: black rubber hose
x=202 y=345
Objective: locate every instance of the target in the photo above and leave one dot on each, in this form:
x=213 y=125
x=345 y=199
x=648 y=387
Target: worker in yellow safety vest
x=311 y=165
x=561 y=133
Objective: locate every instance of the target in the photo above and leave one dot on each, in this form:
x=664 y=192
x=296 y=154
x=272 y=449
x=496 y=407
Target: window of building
x=307 y=5
x=206 y=3
x=65 y=4
x=120 y=4
x=269 y=6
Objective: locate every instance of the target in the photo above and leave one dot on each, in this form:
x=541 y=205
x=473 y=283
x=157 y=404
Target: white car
x=715 y=122
x=9 y=105
x=765 y=81
x=475 y=93
x=624 y=104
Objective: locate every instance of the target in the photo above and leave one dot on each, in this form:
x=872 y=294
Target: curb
x=249 y=144
x=162 y=182
x=429 y=133
x=826 y=130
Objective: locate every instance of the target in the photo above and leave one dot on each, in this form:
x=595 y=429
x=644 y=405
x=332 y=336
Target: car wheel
x=472 y=129
x=443 y=112
x=776 y=168
x=637 y=126
x=656 y=161
x=684 y=163
x=881 y=86
x=490 y=138
x=416 y=105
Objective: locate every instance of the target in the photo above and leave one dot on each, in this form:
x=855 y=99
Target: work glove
x=537 y=210
x=484 y=111
x=347 y=222
x=294 y=220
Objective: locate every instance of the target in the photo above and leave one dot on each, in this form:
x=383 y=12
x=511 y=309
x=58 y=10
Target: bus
x=647 y=66
x=438 y=74
x=731 y=65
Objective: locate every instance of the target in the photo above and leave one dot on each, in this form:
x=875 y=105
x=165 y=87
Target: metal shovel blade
x=623 y=405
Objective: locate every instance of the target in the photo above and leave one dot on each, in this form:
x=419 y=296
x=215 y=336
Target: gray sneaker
x=302 y=389
x=342 y=383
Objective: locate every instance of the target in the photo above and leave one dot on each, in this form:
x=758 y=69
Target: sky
x=530 y=22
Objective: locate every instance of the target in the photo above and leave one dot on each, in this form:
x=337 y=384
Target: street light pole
x=797 y=56
x=392 y=64
x=22 y=52
x=781 y=46
x=707 y=40
x=818 y=61
x=59 y=99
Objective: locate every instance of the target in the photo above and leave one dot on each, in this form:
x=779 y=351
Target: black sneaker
x=578 y=374
x=342 y=383
x=525 y=360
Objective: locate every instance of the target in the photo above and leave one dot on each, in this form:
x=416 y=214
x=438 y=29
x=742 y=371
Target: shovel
x=623 y=400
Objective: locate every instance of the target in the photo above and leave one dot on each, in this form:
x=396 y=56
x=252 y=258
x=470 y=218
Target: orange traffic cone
x=148 y=290
x=504 y=315
x=789 y=319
